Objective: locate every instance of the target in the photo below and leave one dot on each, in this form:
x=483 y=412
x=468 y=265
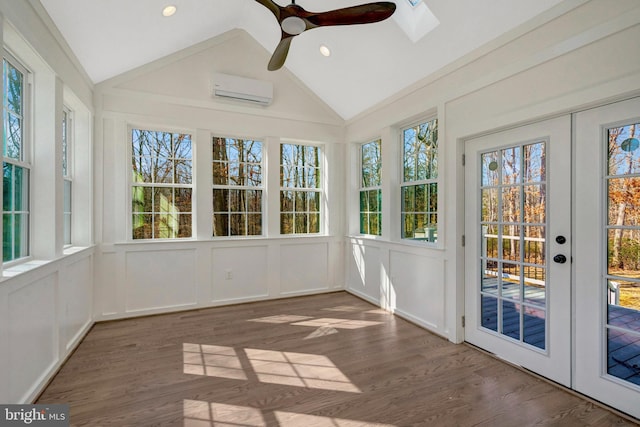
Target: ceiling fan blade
x=280 y=54
x=273 y=7
x=362 y=14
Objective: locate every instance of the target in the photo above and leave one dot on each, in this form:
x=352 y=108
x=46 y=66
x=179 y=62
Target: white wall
x=137 y=278
x=580 y=58
x=46 y=302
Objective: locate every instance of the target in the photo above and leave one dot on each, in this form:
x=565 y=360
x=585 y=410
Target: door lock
x=560 y=259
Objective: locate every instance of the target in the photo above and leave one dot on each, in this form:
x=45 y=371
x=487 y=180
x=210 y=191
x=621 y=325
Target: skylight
x=415 y=19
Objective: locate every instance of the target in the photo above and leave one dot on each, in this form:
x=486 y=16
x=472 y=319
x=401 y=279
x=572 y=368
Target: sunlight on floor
x=290 y=419
x=325 y=326
x=378 y=311
x=299 y=369
x=212 y=361
x=337 y=323
x=281 y=318
x=322 y=331
x=268 y=366
x=344 y=308
x=204 y=414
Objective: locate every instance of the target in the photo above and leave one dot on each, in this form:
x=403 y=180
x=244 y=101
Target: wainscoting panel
x=32 y=335
x=75 y=297
x=417 y=288
x=407 y=280
x=239 y=273
x=303 y=268
x=160 y=279
x=46 y=308
x=365 y=271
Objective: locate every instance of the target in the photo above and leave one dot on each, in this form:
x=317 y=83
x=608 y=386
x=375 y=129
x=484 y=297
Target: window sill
x=405 y=243
x=23 y=267
x=29 y=264
x=225 y=239
x=70 y=250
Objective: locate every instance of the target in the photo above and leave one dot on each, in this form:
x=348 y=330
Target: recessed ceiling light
x=324 y=50
x=169 y=10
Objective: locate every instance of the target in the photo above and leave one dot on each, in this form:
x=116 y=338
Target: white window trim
x=438 y=244
x=130 y=183
x=25 y=160
x=322 y=189
x=68 y=177
x=262 y=188
x=362 y=188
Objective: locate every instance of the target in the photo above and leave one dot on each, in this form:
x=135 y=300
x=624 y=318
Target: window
x=162 y=187
x=66 y=173
x=622 y=248
x=419 y=186
x=370 y=191
x=15 y=188
x=300 y=189
x=237 y=187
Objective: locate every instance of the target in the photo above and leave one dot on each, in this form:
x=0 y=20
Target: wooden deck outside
x=534 y=331
x=623 y=348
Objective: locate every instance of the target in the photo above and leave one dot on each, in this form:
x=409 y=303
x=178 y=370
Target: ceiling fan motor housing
x=293 y=25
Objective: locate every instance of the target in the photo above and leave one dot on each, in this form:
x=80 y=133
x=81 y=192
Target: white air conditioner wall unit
x=243 y=89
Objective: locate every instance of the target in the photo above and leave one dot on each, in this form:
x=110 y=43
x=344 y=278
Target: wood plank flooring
x=325 y=360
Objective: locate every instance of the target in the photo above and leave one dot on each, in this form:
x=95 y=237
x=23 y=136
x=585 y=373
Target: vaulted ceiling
x=368 y=63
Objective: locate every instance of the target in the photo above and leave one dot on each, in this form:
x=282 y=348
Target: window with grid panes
x=300 y=189
x=370 y=190
x=161 y=190
x=419 y=188
x=16 y=166
x=237 y=187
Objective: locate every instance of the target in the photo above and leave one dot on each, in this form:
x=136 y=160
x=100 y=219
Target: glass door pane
x=622 y=281
x=513 y=231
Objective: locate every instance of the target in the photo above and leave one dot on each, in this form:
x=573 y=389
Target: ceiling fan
x=294 y=20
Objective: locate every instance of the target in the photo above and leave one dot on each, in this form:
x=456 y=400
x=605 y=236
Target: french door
x=552 y=260
x=517 y=221
x=607 y=255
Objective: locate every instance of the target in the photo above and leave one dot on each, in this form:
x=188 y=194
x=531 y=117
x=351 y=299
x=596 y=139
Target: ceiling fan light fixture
x=324 y=50
x=169 y=10
x=293 y=25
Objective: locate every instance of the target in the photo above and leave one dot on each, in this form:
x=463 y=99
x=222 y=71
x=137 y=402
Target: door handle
x=560 y=259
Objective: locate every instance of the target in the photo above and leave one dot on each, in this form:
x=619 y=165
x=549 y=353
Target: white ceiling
x=368 y=63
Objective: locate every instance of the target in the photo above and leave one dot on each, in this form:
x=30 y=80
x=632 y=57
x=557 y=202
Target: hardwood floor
x=325 y=360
